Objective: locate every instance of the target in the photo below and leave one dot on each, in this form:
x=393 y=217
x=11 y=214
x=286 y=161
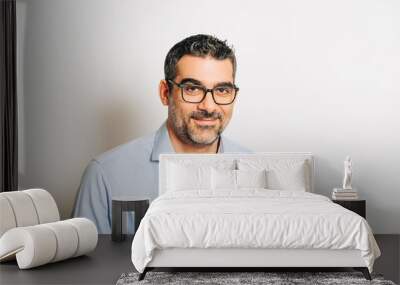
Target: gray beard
x=187 y=137
x=183 y=132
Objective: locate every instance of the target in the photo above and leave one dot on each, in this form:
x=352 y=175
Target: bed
x=247 y=210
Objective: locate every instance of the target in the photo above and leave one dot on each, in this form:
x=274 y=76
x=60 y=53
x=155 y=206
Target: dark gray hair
x=198 y=45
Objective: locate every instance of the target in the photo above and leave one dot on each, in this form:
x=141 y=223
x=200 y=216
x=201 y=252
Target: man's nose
x=208 y=103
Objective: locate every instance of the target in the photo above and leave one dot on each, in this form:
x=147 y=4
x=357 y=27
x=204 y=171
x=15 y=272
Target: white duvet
x=251 y=218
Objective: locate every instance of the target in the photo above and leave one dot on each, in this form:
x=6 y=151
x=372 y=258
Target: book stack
x=344 y=194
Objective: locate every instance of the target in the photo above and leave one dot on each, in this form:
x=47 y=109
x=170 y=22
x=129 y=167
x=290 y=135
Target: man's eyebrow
x=191 y=80
x=198 y=82
x=226 y=83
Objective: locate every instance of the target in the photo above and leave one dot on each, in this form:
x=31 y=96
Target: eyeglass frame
x=206 y=90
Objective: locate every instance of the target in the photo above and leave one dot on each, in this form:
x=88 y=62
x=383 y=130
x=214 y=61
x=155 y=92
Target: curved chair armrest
x=40 y=244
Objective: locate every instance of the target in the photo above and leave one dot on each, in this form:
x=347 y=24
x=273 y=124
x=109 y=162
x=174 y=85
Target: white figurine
x=347 y=173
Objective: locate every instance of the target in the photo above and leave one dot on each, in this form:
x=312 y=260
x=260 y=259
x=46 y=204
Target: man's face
x=200 y=123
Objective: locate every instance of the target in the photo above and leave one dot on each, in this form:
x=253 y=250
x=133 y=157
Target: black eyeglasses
x=194 y=93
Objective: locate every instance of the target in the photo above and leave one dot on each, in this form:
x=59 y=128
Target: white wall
x=319 y=76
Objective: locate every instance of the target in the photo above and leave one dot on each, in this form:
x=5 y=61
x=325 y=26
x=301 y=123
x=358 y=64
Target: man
x=199 y=90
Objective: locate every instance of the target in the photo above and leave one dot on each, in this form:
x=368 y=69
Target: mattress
x=250 y=219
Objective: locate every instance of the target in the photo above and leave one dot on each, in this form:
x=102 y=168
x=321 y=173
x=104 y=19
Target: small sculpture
x=347 y=174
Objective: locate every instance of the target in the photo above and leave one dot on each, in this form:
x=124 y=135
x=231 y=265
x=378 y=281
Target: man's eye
x=191 y=88
x=224 y=90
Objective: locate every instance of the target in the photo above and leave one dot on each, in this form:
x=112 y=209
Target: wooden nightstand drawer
x=357 y=206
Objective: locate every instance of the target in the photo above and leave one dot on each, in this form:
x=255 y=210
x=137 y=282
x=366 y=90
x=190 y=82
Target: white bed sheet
x=250 y=218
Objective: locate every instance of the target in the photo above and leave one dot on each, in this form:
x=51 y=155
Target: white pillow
x=228 y=179
x=223 y=179
x=181 y=177
x=251 y=178
x=287 y=179
x=282 y=174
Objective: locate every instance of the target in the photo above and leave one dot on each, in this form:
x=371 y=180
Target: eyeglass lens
x=195 y=94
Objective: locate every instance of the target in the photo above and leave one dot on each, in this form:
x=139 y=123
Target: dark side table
x=120 y=204
x=357 y=206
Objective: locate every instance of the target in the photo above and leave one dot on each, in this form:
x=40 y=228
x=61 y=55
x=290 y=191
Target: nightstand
x=357 y=206
x=138 y=205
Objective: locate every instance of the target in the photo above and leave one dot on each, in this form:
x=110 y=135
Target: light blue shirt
x=130 y=169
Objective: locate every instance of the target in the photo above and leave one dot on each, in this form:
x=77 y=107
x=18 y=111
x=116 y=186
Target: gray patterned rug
x=270 y=278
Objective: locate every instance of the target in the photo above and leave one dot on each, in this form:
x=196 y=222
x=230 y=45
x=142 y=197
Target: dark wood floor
x=110 y=260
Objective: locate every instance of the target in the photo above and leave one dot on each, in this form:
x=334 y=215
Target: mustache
x=199 y=115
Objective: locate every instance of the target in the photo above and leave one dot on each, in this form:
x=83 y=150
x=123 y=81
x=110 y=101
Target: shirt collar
x=162 y=143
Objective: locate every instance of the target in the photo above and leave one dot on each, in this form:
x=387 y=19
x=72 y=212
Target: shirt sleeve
x=93 y=198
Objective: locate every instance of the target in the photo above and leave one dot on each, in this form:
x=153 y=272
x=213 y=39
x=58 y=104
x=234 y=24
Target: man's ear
x=164 y=92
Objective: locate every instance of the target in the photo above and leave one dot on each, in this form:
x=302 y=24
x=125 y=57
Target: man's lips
x=206 y=122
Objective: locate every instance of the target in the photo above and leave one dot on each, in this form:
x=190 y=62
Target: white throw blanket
x=251 y=218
